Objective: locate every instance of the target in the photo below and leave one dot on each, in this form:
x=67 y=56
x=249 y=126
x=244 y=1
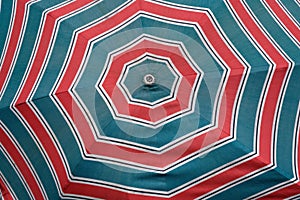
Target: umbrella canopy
x=149 y=99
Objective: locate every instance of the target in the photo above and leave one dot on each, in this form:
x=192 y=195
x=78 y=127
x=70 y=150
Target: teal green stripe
x=251 y=187
x=5 y=18
x=275 y=31
x=258 y=72
x=286 y=127
x=285 y=139
x=285 y=131
x=32 y=151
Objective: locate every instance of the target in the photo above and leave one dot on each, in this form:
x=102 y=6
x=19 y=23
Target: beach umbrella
x=149 y=99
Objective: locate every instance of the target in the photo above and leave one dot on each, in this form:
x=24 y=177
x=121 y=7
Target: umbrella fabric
x=149 y=99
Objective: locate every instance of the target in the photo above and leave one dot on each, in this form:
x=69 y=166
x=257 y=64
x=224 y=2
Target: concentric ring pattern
x=218 y=116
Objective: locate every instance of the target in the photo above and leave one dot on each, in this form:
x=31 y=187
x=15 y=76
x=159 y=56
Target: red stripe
x=45 y=140
x=268 y=113
x=222 y=178
x=259 y=36
x=284 y=193
x=6 y=195
x=81 y=43
x=43 y=48
x=21 y=164
x=284 y=18
x=13 y=41
x=277 y=80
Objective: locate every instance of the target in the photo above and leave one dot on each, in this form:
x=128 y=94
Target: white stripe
x=297 y=2
x=289 y=13
x=273 y=163
x=10 y=190
x=36 y=45
x=17 y=170
x=42 y=151
x=295 y=163
x=18 y=47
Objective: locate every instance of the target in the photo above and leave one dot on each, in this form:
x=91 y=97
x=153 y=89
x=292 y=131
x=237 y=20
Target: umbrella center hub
x=149 y=79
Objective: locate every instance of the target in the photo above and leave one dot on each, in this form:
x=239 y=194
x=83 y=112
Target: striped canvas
x=149 y=99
